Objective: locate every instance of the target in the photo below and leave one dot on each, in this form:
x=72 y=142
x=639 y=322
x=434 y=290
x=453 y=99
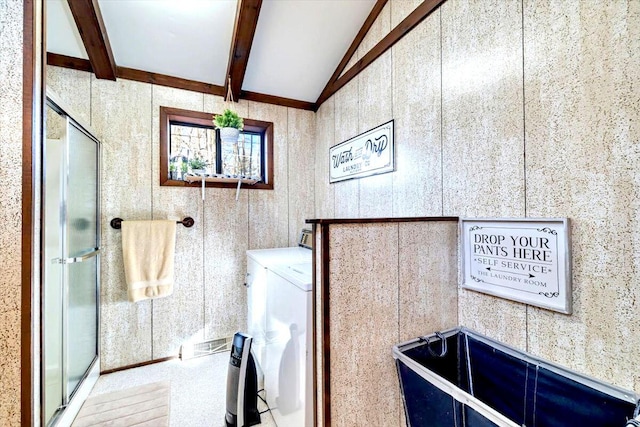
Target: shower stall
x=71 y=264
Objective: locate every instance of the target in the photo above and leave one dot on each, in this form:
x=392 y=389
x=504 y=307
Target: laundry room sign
x=369 y=153
x=526 y=260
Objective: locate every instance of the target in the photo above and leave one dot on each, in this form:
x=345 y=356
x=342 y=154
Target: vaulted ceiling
x=281 y=51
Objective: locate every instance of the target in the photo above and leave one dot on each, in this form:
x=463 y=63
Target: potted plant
x=172 y=170
x=184 y=167
x=197 y=165
x=230 y=125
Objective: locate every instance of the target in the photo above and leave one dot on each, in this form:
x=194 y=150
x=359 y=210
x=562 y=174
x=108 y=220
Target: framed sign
x=370 y=153
x=525 y=260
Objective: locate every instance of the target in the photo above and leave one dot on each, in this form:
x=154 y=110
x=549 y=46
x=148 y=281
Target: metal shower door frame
x=72 y=400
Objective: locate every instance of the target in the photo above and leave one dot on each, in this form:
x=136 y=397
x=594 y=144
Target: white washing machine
x=288 y=367
x=258 y=261
x=279 y=320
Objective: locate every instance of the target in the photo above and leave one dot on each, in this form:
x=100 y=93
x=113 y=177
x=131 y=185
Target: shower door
x=71 y=265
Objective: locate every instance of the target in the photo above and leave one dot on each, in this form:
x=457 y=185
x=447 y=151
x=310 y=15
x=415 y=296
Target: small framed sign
x=525 y=260
x=370 y=153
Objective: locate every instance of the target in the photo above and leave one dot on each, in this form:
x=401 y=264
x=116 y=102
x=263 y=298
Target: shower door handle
x=84 y=257
x=74 y=260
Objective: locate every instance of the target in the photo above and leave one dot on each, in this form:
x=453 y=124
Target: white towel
x=148 y=249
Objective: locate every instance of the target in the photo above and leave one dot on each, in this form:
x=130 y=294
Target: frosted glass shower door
x=52 y=290
x=82 y=253
x=70 y=289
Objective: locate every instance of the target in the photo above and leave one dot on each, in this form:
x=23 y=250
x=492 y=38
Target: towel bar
x=187 y=222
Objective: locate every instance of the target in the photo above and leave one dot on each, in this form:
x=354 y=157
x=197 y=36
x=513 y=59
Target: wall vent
x=205 y=348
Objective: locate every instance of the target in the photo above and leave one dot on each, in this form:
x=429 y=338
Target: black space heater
x=242 y=385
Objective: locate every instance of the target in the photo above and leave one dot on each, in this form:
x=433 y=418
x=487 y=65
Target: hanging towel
x=148 y=249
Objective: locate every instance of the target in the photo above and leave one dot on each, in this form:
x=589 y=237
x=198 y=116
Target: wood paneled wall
x=209 y=300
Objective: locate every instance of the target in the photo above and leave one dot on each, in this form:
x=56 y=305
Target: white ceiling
x=62 y=35
x=297 y=44
x=188 y=39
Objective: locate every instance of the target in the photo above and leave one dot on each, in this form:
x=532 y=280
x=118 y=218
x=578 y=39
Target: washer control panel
x=306 y=239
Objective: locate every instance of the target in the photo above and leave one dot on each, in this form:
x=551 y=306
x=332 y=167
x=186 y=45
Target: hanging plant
x=230 y=125
x=228 y=119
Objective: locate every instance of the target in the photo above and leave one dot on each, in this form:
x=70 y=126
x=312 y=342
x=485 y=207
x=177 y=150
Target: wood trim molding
x=138 y=365
x=176 y=82
x=326 y=326
x=69 y=62
x=86 y=14
x=373 y=15
x=314 y=321
x=168 y=81
x=277 y=100
x=244 y=30
x=410 y=22
x=28 y=89
x=32 y=113
x=168 y=114
x=137 y=75
x=383 y=220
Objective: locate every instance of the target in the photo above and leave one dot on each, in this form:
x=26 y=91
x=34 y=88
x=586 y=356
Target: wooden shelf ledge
x=207 y=178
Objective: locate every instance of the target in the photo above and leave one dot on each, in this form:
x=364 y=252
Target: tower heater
x=242 y=385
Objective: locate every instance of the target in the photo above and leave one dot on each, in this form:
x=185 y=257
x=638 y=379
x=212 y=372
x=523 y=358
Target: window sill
x=216 y=182
x=199 y=178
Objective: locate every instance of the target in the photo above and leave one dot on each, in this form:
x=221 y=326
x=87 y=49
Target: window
x=189 y=142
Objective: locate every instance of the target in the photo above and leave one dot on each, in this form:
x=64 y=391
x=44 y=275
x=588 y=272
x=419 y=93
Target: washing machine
x=258 y=261
x=278 y=279
x=288 y=363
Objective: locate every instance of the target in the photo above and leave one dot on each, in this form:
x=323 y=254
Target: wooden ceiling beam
x=373 y=15
x=410 y=22
x=88 y=18
x=243 y=31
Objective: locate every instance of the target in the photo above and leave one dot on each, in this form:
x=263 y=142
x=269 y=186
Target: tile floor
x=198 y=389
